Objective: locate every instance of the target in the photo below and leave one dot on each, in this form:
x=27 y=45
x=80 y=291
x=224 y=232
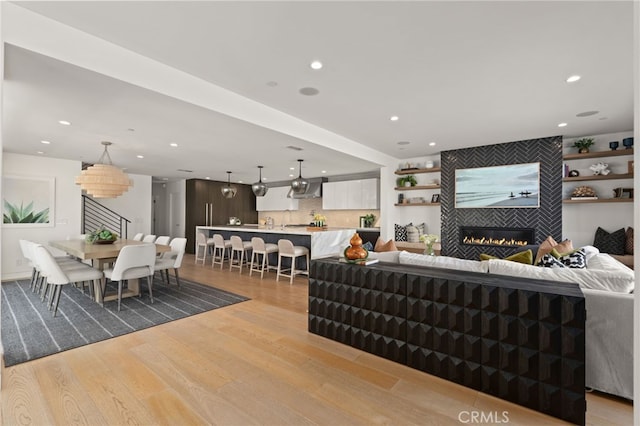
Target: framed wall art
x=28 y=201
x=509 y=186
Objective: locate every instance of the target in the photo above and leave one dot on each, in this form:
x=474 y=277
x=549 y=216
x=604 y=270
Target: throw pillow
x=525 y=257
x=628 y=241
x=576 y=259
x=549 y=261
x=549 y=244
x=382 y=246
x=401 y=232
x=413 y=234
x=368 y=246
x=611 y=243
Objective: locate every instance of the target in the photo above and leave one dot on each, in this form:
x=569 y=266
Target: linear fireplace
x=496 y=236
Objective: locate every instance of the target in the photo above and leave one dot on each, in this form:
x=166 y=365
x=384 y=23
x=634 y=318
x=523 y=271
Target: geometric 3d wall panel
x=519 y=339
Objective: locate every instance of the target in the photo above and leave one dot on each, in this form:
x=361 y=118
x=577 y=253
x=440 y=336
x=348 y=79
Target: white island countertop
x=326 y=242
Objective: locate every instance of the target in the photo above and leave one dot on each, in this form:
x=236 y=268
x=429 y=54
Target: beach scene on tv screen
x=514 y=185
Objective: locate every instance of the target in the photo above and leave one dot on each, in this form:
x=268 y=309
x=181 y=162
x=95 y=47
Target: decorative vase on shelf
x=613 y=145
x=583 y=151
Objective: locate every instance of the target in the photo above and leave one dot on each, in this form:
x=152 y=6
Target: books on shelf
x=584 y=198
x=362 y=262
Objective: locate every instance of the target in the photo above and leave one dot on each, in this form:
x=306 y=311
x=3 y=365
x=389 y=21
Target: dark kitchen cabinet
x=205 y=205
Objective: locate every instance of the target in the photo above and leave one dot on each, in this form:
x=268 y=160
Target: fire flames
x=494 y=241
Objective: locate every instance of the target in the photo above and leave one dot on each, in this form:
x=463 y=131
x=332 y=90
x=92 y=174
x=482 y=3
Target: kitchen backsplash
x=308 y=207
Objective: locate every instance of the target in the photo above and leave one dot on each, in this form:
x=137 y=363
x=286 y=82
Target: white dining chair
x=138 y=236
x=149 y=238
x=287 y=249
x=260 y=248
x=220 y=246
x=172 y=259
x=56 y=277
x=202 y=242
x=133 y=262
x=163 y=239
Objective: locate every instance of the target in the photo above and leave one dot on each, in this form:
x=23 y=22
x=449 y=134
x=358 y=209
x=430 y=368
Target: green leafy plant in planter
x=583 y=144
x=411 y=179
x=23 y=214
x=101 y=236
x=369 y=219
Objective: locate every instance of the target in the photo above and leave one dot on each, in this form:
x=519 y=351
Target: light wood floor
x=250 y=363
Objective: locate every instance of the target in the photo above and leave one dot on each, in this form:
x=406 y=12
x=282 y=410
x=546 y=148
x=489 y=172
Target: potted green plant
x=369 y=219
x=101 y=236
x=407 y=180
x=583 y=144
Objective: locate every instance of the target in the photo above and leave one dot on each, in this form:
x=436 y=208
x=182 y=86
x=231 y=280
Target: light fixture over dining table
x=103 y=179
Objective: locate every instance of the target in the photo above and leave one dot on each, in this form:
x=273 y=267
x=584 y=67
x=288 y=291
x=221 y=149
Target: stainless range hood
x=314 y=190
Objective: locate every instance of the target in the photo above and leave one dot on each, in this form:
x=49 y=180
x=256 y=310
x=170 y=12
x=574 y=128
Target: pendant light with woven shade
x=259 y=188
x=229 y=191
x=299 y=185
x=103 y=179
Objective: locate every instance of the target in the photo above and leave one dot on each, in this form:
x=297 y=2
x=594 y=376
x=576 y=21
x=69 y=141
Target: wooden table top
x=84 y=250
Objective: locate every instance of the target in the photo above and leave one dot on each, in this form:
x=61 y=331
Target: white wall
x=580 y=221
x=67 y=208
x=135 y=205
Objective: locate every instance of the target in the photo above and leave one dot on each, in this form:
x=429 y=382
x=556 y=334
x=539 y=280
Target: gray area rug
x=30 y=331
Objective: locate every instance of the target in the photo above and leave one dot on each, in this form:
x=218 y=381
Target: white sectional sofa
x=607 y=286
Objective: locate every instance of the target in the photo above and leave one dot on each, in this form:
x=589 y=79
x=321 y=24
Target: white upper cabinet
x=361 y=194
x=276 y=200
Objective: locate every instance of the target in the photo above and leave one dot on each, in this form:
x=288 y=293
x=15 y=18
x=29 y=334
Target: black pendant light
x=259 y=189
x=229 y=191
x=299 y=185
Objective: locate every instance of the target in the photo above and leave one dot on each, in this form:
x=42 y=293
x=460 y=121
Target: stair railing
x=95 y=215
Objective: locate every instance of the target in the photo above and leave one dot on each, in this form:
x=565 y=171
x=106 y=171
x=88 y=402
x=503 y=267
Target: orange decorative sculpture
x=356 y=251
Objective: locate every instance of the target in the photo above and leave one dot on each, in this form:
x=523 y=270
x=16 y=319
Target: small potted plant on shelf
x=583 y=144
x=408 y=180
x=369 y=219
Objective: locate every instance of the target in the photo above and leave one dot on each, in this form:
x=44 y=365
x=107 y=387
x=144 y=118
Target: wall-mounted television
x=509 y=186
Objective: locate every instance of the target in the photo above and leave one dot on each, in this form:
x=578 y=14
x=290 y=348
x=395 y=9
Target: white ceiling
x=456 y=73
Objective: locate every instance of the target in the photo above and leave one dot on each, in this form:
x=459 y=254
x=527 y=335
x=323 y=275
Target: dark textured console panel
x=518 y=339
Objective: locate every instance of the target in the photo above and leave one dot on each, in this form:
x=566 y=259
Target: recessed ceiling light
x=562 y=125
x=309 y=91
x=324 y=171
x=290 y=175
x=292 y=168
x=432 y=144
x=45 y=142
x=404 y=143
x=65 y=122
x=394 y=118
x=573 y=78
x=207 y=177
x=316 y=65
x=173 y=144
x=39 y=152
x=140 y=156
x=239 y=181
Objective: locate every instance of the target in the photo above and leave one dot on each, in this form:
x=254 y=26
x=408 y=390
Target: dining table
x=102 y=255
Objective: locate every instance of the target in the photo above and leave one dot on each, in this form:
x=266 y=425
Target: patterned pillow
x=576 y=259
x=628 y=241
x=401 y=232
x=413 y=234
x=548 y=261
x=612 y=243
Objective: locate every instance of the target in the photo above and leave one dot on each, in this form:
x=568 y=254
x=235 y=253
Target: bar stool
x=205 y=243
x=238 y=248
x=287 y=249
x=220 y=246
x=260 y=248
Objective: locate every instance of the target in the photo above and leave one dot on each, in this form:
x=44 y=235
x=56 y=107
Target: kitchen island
x=321 y=243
